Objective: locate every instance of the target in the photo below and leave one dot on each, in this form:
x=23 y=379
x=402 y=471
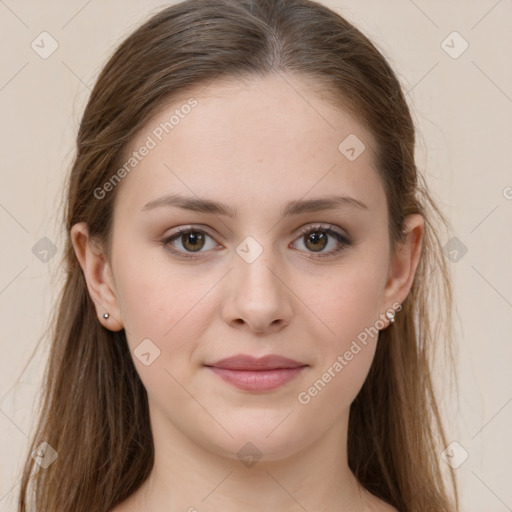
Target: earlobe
x=98 y=276
x=405 y=260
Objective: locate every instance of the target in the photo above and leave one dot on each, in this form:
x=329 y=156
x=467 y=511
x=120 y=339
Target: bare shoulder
x=385 y=507
x=124 y=506
x=375 y=504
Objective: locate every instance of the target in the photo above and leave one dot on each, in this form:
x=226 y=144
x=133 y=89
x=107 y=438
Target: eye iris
x=193 y=240
x=316 y=237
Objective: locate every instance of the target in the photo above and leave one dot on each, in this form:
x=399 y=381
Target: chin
x=256 y=436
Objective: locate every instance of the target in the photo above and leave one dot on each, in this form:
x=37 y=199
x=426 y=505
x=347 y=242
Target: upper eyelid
x=185 y=229
x=301 y=231
x=319 y=226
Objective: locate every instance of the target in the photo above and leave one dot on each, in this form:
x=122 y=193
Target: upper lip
x=246 y=362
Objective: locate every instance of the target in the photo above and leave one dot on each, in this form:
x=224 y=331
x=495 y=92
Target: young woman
x=245 y=321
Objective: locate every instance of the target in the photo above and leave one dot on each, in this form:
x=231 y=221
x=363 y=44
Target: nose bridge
x=257 y=266
x=259 y=297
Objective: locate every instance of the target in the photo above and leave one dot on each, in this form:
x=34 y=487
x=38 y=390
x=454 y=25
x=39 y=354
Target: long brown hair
x=94 y=408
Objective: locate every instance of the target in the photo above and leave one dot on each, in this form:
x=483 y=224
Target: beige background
x=462 y=107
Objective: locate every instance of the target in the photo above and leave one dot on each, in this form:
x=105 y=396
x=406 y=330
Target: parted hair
x=94 y=407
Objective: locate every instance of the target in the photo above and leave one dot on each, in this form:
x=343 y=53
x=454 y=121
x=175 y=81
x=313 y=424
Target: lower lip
x=258 y=380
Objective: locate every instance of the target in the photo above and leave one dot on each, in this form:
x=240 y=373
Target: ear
x=405 y=261
x=98 y=275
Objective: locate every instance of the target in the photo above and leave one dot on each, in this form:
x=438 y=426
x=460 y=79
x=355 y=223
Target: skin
x=254 y=146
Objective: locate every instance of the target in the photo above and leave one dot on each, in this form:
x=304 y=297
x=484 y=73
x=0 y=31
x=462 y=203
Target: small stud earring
x=105 y=316
x=391 y=316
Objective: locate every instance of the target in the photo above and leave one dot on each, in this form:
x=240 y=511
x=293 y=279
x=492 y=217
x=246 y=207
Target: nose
x=257 y=297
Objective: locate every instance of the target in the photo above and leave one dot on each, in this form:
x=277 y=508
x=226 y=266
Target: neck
x=189 y=477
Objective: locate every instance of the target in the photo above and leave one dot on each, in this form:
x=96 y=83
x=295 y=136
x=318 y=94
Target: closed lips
x=250 y=363
x=257 y=374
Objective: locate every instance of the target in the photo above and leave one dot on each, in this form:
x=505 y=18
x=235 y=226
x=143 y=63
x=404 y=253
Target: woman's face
x=288 y=255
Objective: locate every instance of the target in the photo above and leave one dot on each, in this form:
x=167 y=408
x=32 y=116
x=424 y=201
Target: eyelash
x=343 y=240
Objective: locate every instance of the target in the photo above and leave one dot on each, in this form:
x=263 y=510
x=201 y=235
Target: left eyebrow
x=323 y=204
x=292 y=208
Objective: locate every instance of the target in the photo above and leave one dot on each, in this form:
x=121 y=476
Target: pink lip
x=257 y=374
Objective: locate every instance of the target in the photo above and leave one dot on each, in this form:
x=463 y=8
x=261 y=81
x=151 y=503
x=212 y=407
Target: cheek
x=351 y=301
x=163 y=316
x=167 y=305
x=154 y=296
x=350 y=308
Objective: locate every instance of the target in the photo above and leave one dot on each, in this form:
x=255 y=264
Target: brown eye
x=316 y=241
x=322 y=241
x=193 y=241
x=189 y=243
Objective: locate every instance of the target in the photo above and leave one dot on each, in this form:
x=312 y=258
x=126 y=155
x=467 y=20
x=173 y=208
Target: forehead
x=265 y=140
